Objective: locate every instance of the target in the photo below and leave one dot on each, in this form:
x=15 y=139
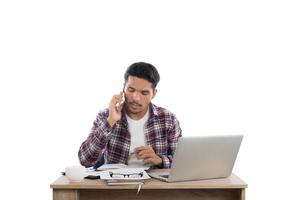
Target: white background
x=226 y=67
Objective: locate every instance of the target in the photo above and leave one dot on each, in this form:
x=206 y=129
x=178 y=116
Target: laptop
x=202 y=157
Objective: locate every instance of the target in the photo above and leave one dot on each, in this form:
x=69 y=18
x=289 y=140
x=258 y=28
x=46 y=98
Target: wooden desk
x=229 y=188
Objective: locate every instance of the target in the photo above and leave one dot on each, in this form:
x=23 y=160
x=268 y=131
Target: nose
x=136 y=96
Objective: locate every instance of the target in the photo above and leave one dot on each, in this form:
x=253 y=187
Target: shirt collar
x=153 y=109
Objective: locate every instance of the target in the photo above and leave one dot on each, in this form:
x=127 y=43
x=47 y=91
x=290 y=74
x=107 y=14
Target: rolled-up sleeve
x=172 y=137
x=93 y=147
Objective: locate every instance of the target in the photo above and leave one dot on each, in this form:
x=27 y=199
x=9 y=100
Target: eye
x=145 y=93
x=131 y=89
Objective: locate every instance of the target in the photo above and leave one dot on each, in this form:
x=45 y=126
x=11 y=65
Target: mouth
x=135 y=105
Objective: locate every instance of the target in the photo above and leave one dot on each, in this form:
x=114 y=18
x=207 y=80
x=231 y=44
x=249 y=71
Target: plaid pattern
x=162 y=131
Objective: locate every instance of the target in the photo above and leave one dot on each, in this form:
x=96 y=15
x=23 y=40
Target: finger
x=119 y=107
x=116 y=99
x=143 y=152
x=148 y=161
x=120 y=95
x=145 y=156
x=120 y=98
x=141 y=148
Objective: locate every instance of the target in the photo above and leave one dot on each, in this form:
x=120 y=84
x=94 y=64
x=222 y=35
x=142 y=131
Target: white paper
x=120 y=166
x=145 y=167
x=112 y=166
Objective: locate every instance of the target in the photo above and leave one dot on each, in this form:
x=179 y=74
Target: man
x=132 y=130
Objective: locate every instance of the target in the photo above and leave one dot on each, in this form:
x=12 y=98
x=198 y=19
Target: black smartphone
x=92 y=177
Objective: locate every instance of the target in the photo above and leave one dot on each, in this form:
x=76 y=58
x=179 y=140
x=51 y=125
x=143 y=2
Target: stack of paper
x=124 y=176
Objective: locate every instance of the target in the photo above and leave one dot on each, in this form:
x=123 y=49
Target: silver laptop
x=202 y=157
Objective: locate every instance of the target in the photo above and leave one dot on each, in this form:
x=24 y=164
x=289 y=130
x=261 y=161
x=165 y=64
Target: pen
x=134 y=152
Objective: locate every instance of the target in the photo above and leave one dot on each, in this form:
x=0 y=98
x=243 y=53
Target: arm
x=148 y=155
x=93 y=147
x=173 y=134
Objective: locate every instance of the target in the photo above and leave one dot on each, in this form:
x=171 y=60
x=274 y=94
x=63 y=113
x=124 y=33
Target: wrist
x=160 y=162
x=111 y=122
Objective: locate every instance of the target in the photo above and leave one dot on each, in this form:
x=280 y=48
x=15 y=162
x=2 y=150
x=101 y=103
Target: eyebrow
x=138 y=90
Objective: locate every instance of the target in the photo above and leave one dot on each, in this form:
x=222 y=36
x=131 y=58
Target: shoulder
x=163 y=113
x=168 y=120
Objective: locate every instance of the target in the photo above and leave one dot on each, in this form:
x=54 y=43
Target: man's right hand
x=115 y=107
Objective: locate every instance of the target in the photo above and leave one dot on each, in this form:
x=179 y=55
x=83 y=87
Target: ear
x=154 y=93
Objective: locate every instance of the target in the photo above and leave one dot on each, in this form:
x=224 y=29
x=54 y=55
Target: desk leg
x=61 y=194
x=243 y=194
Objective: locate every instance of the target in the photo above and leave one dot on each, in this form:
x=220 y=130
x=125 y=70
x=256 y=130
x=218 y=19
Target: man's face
x=138 y=95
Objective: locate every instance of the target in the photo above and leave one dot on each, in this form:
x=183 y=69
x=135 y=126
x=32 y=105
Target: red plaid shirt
x=162 y=131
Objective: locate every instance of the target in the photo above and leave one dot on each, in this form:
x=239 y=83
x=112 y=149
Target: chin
x=135 y=111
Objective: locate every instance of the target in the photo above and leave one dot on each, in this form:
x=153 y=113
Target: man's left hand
x=147 y=154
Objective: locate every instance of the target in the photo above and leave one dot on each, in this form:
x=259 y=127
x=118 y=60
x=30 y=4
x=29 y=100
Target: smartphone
x=92 y=177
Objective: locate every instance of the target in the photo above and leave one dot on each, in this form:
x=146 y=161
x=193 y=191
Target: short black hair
x=144 y=71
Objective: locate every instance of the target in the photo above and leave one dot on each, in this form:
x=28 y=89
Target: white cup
x=75 y=173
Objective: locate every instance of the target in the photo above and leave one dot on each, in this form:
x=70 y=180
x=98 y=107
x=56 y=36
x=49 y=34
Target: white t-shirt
x=136 y=129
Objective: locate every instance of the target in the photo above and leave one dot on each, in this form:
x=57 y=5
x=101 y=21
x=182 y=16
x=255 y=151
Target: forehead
x=138 y=83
